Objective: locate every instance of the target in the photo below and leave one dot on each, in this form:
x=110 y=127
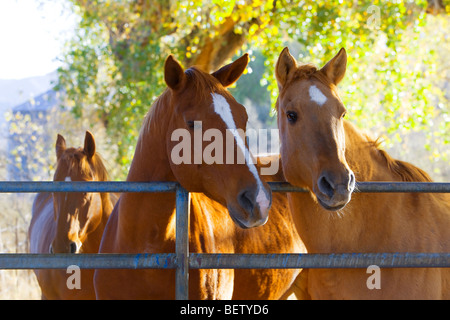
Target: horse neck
x=149 y=214
x=150 y=161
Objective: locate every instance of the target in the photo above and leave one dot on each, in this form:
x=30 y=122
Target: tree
x=113 y=69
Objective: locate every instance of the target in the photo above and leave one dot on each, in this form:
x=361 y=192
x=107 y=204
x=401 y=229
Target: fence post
x=182 y=244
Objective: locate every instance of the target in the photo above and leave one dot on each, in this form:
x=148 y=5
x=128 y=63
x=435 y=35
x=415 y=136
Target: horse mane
x=99 y=167
x=404 y=170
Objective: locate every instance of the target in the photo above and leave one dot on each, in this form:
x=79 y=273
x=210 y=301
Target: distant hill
x=16 y=92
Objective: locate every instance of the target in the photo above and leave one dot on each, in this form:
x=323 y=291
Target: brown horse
x=324 y=153
x=223 y=195
x=70 y=222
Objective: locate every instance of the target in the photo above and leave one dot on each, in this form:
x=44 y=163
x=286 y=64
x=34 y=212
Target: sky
x=32 y=35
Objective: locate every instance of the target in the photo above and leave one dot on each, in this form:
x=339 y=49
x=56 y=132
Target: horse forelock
x=306 y=72
x=200 y=85
x=74 y=161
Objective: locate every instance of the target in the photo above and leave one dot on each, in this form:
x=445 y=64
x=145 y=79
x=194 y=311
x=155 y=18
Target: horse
x=228 y=199
x=326 y=154
x=70 y=222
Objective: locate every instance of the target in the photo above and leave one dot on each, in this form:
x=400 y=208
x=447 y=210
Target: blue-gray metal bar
x=319 y=260
x=87 y=261
x=124 y=186
x=375 y=187
x=225 y=261
x=182 y=244
x=423 y=187
x=88 y=186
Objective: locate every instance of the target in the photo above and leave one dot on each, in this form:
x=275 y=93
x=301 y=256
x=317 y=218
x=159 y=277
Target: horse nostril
x=246 y=200
x=73 y=247
x=325 y=186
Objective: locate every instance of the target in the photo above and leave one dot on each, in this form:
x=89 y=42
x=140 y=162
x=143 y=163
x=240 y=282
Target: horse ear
x=229 y=74
x=89 y=145
x=60 y=146
x=285 y=64
x=174 y=73
x=335 y=68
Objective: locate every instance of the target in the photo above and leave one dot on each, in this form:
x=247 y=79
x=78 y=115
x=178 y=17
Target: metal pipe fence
x=182 y=260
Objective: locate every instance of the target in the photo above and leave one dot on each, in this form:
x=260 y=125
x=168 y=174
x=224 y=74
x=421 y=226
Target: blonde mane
x=363 y=143
x=405 y=171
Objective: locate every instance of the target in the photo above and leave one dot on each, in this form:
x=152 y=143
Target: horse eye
x=291 y=116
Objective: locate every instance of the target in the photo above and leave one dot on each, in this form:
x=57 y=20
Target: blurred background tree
x=396 y=83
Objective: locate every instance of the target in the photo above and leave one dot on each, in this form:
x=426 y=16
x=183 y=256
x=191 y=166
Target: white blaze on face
x=222 y=108
x=316 y=95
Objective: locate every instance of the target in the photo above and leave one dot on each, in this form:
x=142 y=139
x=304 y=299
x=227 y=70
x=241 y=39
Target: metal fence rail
x=225 y=260
x=122 y=186
x=182 y=260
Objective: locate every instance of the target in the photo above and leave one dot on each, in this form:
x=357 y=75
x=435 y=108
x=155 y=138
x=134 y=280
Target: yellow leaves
x=256 y=3
x=190 y=51
x=253 y=29
x=274 y=31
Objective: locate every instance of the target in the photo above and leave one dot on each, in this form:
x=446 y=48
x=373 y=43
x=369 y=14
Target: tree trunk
x=435 y=7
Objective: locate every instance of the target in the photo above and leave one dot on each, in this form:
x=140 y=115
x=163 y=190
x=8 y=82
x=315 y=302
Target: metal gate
x=182 y=260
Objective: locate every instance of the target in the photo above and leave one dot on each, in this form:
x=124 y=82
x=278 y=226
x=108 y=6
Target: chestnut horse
x=223 y=196
x=70 y=222
x=324 y=153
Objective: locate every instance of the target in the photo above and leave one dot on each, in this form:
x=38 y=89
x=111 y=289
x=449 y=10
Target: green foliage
x=114 y=65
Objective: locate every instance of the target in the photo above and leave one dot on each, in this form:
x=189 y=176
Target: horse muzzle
x=251 y=208
x=333 y=194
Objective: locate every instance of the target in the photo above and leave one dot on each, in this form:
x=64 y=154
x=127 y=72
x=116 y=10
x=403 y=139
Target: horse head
x=77 y=214
x=211 y=124
x=310 y=119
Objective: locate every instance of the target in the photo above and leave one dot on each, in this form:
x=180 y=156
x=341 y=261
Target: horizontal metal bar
x=374 y=187
x=334 y=260
x=225 y=261
x=86 y=186
x=285 y=187
x=132 y=186
x=433 y=187
x=87 y=261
